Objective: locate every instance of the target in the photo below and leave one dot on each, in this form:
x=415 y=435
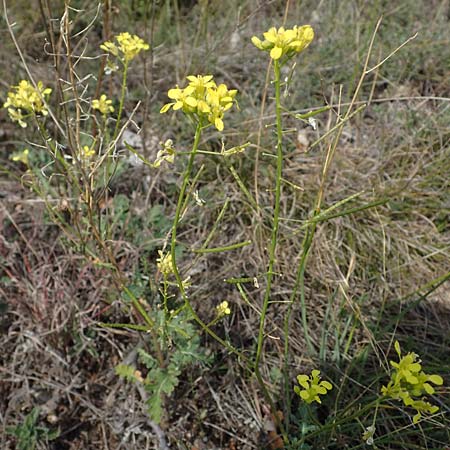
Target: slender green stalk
x=122 y=99
x=179 y=209
x=276 y=215
x=223 y=249
x=272 y=248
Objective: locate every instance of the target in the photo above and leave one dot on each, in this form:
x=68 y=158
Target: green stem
x=299 y=284
x=122 y=100
x=179 y=209
x=273 y=245
x=223 y=249
x=276 y=215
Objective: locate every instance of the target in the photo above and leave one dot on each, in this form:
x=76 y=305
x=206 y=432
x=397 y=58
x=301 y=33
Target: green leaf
x=160 y=382
x=126 y=371
x=148 y=360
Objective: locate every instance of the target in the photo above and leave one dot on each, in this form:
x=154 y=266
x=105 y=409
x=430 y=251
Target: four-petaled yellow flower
x=127 y=48
x=409 y=383
x=164 y=263
x=25 y=100
x=223 y=309
x=285 y=43
x=86 y=152
x=103 y=104
x=312 y=387
x=202 y=98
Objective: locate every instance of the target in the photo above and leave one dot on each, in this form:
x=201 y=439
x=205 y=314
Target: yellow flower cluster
x=223 y=309
x=312 y=387
x=409 y=383
x=164 y=263
x=127 y=47
x=103 y=104
x=202 y=98
x=285 y=43
x=25 y=100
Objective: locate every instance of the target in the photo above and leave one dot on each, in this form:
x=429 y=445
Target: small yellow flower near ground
x=164 y=263
x=203 y=99
x=409 y=383
x=312 y=387
x=223 y=309
x=103 y=104
x=127 y=48
x=25 y=100
x=285 y=43
x=21 y=157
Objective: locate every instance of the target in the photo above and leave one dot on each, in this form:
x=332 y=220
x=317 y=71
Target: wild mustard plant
x=25 y=100
x=410 y=383
x=86 y=153
x=312 y=387
x=164 y=263
x=223 y=309
x=282 y=45
x=126 y=48
x=202 y=99
x=205 y=103
x=103 y=104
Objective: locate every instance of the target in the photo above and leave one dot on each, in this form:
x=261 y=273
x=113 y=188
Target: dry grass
x=370 y=274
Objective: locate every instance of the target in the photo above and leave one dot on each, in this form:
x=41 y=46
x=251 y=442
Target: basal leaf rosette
x=202 y=98
x=283 y=44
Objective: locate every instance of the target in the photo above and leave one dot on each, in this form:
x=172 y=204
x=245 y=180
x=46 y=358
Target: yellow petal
x=276 y=53
x=174 y=93
x=191 y=101
x=271 y=35
x=219 y=124
x=166 y=108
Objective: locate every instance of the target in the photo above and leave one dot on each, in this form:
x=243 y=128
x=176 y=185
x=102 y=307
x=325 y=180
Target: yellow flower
x=127 y=48
x=103 y=104
x=200 y=83
x=86 y=152
x=164 y=263
x=223 y=309
x=312 y=387
x=183 y=100
x=21 y=157
x=24 y=100
x=284 y=42
x=409 y=381
x=203 y=98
